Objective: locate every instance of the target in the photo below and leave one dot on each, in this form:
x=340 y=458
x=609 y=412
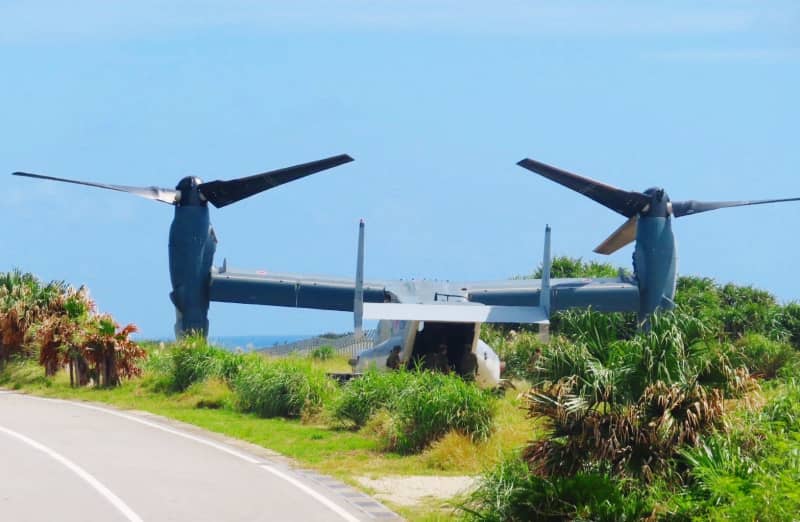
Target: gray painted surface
x=656 y=261
x=330 y=293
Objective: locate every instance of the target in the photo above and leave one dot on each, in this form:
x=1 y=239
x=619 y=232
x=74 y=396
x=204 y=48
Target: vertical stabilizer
x=544 y=296
x=358 y=299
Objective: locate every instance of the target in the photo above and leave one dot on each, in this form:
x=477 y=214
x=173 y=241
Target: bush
x=734 y=482
x=363 y=396
x=790 y=323
x=783 y=412
x=509 y=493
x=596 y=330
x=281 y=388
x=157 y=368
x=421 y=406
x=519 y=350
x=22 y=371
x=763 y=356
x=193 y=362
x=563 y=266
x=433 y=404
x=323 y=353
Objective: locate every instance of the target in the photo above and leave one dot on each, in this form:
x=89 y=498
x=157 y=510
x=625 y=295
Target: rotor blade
x=221 y=193
x=154 y=193
x=620 y=237
x=686 y=208
x=626 y=203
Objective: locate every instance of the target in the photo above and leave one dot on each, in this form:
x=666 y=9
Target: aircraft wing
x=292 y=290
x=455 y=313
x=505 y=301
x=620 y=294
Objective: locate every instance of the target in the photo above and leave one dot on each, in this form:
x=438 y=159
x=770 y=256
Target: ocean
x=253 y=342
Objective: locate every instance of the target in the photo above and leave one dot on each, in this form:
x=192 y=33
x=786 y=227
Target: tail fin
x=544 y=296
x=358 y=298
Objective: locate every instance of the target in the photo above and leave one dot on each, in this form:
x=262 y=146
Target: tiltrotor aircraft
x=418 y=316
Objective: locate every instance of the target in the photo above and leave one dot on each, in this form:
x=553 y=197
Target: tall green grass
x=281 y=387
x=752 y=471
x=435 y=404
x=188 y=361
x=510 y=493
x=361 y=398
x=421 y=407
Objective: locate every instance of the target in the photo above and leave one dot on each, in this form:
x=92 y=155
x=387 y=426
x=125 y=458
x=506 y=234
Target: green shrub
x=563 y=266
x=323 y=353
x=21 y=371
x=281 y=388
x=157 y=368
x=762 y=356
x=421 y=407
x=596 y=330
x=783 y=412
x=510 y=493
x=734 y=482
x=362 y=397
x=193 y=363
x=230 y=365
x=432 y=404
x=746 y=309
x=193 y=360
x=699 y=297
x=519 y=351
x=790 y=323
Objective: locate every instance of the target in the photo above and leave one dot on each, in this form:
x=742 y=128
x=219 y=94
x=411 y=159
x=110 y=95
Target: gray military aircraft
x=423 y=318
x=649 y=213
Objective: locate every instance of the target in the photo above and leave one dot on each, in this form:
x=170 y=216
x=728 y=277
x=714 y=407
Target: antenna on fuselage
x=358 y=298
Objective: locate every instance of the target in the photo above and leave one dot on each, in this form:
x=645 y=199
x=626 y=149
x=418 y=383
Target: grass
x=314 y=442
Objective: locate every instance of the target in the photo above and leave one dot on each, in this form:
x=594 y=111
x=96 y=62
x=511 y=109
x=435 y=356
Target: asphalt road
x=73 y=461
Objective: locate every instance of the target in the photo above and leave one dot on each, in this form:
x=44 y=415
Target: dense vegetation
x=60 y=326
x=422 y=407
x=697 y=418
x=694 y=419
x=416 y=407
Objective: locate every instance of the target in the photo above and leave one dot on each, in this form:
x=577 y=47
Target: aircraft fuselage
x=450 y=347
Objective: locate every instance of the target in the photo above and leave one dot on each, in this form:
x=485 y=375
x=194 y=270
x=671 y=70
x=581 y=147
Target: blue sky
x=436 y=101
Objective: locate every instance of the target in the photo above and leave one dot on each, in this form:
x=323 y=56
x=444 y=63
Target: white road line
x=320 y=498
x=117 y=502
x=200 y=440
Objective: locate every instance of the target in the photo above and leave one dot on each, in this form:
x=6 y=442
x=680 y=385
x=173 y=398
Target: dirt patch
x=410 y=491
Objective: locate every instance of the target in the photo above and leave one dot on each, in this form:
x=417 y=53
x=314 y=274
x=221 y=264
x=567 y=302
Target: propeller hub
x=189 y=191
x=659 y=205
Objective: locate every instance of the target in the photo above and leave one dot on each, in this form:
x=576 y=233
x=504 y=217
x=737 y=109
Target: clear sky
x=435 y=100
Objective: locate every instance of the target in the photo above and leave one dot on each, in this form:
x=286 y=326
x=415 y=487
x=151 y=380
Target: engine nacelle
x=655 y=264
x=192 y=244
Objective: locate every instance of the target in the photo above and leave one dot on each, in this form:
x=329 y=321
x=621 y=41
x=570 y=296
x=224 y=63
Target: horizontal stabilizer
x=455 y=313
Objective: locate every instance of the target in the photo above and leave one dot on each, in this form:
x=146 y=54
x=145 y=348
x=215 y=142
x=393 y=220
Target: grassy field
x=314 y=442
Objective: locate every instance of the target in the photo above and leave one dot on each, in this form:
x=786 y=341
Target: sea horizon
x=245 y=343
x=248 y=343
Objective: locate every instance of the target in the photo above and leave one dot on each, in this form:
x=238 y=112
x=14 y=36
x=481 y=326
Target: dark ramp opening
x=445 y=347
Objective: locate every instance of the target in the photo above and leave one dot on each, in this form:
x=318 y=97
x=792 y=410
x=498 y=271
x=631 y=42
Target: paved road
x=72 y=461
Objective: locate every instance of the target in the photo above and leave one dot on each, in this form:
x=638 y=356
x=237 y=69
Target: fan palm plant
x=61 y=335
x=628 y=408
x=112 y=353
